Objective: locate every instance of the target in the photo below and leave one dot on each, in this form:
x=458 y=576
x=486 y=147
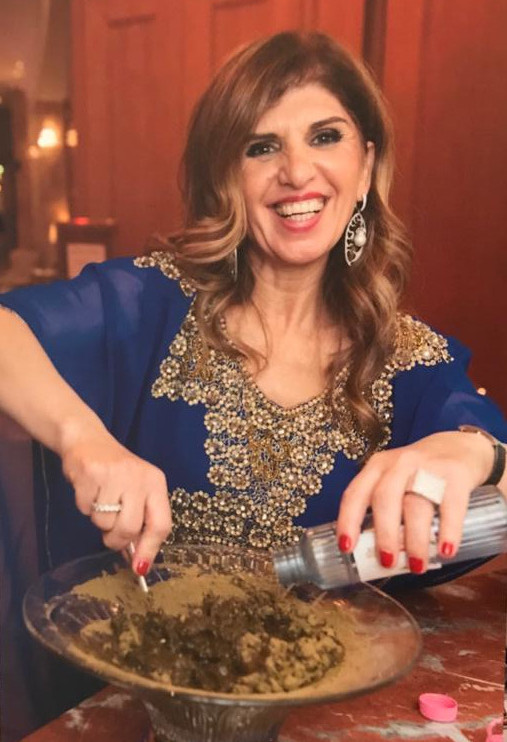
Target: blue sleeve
x=69 y=320
x=102 y=329
x=441 y=397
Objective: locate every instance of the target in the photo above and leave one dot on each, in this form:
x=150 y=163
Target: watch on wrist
x=498 y=467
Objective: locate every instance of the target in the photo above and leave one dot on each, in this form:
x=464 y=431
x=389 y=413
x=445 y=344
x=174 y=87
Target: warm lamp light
x=71 y=138
x=61 y=212
x=52 y=234
x=48 y=138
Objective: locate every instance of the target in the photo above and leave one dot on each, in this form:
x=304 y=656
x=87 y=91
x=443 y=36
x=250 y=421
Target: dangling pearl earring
x=356 y=235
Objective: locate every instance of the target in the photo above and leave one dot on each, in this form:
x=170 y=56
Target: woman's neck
x=289 y=297
x=285 y=321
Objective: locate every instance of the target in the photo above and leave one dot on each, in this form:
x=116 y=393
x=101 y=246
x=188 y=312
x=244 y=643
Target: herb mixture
x=256 y=640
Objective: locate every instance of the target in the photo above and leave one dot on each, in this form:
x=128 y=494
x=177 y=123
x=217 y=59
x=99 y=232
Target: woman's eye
x=327 y=136
x=257 y=149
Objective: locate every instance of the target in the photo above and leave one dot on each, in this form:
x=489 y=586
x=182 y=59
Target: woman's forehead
x=305 y=104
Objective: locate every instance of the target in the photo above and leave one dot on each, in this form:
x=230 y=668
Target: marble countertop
x=463 y=626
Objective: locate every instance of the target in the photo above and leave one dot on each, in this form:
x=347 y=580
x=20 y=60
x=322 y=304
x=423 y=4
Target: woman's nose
x=296 y=167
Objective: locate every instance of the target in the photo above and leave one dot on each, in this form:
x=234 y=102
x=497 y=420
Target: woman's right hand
x=103 y=471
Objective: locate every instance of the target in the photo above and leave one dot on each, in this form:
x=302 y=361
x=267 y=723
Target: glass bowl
x=382 y=642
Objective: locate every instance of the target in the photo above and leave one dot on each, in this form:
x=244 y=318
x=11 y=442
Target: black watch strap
x=498 y=467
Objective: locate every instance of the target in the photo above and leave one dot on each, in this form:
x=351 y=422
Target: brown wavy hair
x=362 y=299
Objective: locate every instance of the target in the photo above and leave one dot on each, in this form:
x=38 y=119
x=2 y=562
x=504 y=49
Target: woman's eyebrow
x=314 y=126
x=326 y=122
x=260 y=137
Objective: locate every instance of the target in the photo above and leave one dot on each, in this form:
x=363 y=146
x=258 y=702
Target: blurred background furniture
x=82 y=241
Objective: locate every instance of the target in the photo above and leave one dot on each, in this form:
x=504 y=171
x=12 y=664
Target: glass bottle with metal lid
x=316 y=557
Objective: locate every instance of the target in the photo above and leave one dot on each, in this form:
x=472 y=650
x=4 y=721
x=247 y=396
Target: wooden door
x=138 y=68
x=443 y=69
x=127 y=109
x=214 y=28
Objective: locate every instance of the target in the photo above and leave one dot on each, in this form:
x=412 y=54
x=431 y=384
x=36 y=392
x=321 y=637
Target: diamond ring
x=100 y=507
x=428 y=485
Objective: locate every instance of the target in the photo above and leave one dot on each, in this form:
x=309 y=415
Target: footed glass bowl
x=381 y=639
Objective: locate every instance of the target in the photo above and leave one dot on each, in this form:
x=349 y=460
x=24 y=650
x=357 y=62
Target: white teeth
x=301 y=217
x=300 y=208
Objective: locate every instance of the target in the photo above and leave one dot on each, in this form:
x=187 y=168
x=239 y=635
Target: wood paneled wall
x=139 y=66
x=444 y=73
x=127 y=92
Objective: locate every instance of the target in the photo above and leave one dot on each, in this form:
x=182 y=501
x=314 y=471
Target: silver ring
x=428 y=485
x=99 y=507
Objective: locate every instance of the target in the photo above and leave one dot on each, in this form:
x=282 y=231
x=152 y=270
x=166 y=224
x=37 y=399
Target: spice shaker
x=316 y=557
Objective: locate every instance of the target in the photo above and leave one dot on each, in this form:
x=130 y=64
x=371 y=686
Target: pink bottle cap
x=492 y=735
x=438 y=707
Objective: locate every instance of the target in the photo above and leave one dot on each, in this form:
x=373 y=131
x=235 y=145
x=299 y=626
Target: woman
x=257 y=366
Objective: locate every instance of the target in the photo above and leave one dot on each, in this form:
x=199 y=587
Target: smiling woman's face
x=303 y=170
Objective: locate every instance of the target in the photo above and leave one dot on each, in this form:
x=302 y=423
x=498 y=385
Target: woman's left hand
x=461 y=459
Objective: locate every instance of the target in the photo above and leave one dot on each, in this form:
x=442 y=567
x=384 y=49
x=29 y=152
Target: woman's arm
x=99 y=468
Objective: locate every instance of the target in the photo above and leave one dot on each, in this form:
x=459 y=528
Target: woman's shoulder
x=146 y=281
x=431 y=390
x=164 y=263
x=418 y=344
x=132 y=291
x=149 y=288
x=423 y=357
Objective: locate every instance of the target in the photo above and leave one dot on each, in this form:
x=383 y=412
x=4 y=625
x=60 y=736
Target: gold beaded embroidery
x=265 y=460
x=166 y=263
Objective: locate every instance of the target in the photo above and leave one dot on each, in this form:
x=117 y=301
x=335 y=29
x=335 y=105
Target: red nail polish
x=142 y=567
x=416 y=565
x=344 y=542
x=386 y=558
x=447 y=549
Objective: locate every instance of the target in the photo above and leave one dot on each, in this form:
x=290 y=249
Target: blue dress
x=240 y=469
